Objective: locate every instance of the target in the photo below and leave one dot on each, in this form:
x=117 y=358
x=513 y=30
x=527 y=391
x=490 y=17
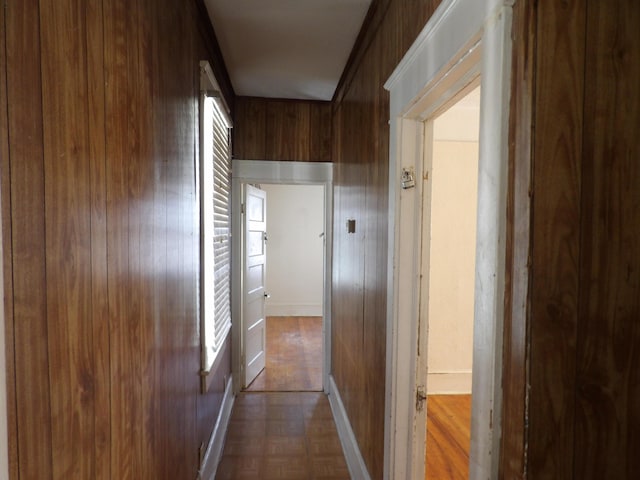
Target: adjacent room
x=295 y=289
x=452 y=153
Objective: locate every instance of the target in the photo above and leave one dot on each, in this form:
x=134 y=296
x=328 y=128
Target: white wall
x=295 y=250
x=453 y=241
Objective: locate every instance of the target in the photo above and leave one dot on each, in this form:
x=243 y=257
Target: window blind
x=216 y=227
x=221 y=225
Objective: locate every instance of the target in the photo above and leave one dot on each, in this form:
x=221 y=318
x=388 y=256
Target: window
x=215 y=221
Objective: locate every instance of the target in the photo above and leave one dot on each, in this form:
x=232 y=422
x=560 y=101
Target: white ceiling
x=286 y=48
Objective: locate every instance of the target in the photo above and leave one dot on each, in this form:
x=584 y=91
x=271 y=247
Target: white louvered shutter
x=216 y=225
x=221 y=226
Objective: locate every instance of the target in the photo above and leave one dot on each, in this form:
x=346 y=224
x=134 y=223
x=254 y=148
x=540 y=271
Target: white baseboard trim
x=293 y=310
x=355 y=462
x=216 y=444
x=449 y=383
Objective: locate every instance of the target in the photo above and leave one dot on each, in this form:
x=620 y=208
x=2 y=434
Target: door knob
x=266 y=295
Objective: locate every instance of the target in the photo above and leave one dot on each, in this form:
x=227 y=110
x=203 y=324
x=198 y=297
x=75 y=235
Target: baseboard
x=355 y=462
x=216 y=444
x=449 y=383
x=293 y=310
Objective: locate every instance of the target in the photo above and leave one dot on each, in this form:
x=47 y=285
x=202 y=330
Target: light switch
x=351 y=226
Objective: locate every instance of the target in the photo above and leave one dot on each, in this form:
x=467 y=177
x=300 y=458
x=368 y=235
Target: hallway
x=294 y=356
x=282 y=426
x=282 y=435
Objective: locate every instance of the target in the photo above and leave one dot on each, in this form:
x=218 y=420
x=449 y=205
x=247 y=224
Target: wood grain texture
x=99 y=259
x=279 y=436
x=448 y=437
x=25 y=174
x=361 y=159
x=68 y=236
x=99 y=134
x=516 y=323
x=287 y=130
x=556 y=236
x=5 y=192
x=294 y=356
x=607 y=413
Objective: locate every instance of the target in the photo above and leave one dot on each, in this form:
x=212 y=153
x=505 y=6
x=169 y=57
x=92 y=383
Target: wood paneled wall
x=99 y=132
x=361 y=157
x=584 y=405
x=572 y=337
x=288 y=130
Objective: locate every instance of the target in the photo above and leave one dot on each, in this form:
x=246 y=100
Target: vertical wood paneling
x=284 y=119
x=68 y=236
x=607 y=417
x=26 y=178
x=515 y=373
x=126 y=458
x=5 y=191
x=556 y=234
x=320 y=130
x=361 y=157
x=99 y=274
x=249 y=132
x=99 y=137
x=288 y=130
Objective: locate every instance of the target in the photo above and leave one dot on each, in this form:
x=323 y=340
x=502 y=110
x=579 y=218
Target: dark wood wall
x=361 y=158
x=575 y=347
x=584 y=406
x=287 y=130
x=98 y=143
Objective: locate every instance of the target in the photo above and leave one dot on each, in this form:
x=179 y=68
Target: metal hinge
x=242 y=208
x=421 y=397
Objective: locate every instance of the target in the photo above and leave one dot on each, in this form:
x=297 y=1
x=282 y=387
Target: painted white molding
x=298 y=173
x=293 y=310
x=216 y=443
x=355 y=462
x=462 y=39
x=449 y=383
x=493 y=172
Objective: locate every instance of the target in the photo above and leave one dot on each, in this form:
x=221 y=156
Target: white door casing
x=462 y=39
x=255 y=263
x=277 y=172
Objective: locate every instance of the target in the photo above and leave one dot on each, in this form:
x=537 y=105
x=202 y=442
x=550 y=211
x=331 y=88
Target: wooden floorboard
x=294 y=356
x=275 y=435
x=448 y=437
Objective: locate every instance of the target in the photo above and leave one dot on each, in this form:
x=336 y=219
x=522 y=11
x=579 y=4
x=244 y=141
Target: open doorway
x=271 y=174
x=464 y=42
x=450 y=209
x=294 y=284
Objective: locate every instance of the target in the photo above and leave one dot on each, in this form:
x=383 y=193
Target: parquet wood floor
x=282 y=436
x=294 y=356
x=448 y=437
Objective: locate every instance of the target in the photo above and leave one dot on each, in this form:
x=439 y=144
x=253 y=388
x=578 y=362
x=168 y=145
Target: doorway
x=294 y=284
x=463 y=42
x=449 y=245
x=272 y=173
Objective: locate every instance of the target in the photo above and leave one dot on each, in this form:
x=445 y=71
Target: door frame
x=463 y=39
x=277 y=172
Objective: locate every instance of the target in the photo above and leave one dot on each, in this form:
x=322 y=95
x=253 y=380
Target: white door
x=255 y=259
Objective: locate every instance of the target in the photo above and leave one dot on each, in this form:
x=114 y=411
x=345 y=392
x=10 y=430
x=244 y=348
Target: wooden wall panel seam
x=7 y=272
x=555 y=248
x=519 y=239
x=607 y=377
x=24 y=89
